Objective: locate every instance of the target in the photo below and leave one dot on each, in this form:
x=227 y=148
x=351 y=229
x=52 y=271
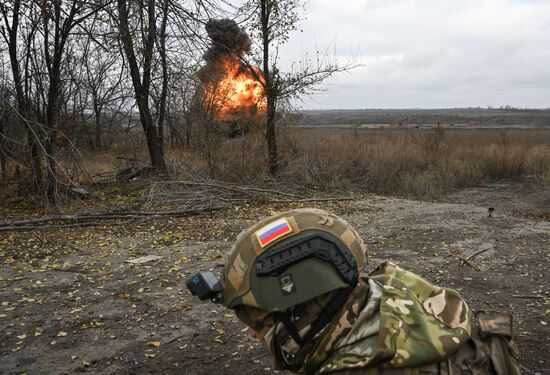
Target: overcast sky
x=431 y=53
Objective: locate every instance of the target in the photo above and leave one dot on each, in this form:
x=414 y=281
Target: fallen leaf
x=156 y=344
x=62 y=334
x=22 y=337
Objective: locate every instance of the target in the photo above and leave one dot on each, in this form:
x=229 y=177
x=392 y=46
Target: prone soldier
x=294 y=280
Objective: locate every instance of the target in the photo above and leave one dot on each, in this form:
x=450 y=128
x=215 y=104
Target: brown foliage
x=415 y=163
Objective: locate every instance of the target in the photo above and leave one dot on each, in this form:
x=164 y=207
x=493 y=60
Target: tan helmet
x=291 y=258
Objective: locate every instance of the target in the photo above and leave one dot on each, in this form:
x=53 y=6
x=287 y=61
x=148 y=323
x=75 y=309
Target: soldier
x=294 y=280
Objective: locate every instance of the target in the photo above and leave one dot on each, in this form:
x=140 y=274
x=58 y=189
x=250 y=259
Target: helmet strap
x=324 y=318
x=328 y=312
x=284 y=318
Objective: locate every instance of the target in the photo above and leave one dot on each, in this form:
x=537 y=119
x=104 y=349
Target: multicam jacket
x=396 y=322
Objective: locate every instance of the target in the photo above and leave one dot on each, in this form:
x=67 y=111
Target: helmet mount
x=312 y=243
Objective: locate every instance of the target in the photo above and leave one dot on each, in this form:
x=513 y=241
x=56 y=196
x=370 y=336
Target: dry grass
x=404 y=162
x=392 y=162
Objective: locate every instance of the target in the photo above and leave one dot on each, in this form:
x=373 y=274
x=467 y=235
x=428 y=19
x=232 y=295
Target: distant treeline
x=453 y=116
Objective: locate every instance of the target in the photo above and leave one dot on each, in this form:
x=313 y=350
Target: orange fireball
x=237 y=92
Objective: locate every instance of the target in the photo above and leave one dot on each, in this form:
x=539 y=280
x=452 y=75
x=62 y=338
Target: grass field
x=391 y=161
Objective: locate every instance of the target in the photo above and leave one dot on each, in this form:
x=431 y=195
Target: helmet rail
x=304 y=245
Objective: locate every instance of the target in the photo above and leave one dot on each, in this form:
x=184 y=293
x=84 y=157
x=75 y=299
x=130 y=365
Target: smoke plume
x=227 y=39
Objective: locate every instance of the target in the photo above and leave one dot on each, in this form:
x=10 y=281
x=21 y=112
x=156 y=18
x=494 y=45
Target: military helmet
x=290 y=258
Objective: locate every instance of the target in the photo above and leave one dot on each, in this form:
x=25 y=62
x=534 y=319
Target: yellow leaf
x=62 y=334
x=156 y=344
x=22 y=337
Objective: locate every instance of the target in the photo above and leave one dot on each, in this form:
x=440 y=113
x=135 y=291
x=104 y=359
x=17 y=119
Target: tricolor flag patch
x=273 y=231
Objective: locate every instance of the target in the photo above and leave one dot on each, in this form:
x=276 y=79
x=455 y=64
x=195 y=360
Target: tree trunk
x=270 y=93
x=272 y=137
x=52 y=122
x=97 y=134
x=141 y=88
x=22 y=102
x=3 y=154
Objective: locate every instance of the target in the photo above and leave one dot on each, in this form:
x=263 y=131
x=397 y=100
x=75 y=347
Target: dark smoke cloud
x=227 y=38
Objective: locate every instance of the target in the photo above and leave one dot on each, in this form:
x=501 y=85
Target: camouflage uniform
x=392 y=322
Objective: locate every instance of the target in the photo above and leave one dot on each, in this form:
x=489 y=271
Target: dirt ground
x=70 y=303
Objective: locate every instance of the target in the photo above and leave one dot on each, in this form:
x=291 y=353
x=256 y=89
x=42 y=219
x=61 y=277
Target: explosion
x=231 y=88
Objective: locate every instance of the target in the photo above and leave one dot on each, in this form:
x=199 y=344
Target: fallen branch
x=310 y=200
x=82 y=219
x=242 y=189
x=43 y=227
x=466 y=261
x=476 y=254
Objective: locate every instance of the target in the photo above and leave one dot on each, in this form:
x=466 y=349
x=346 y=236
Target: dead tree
x=272 y=23
x=10 y=32
x=49 y=25
x=145 y=13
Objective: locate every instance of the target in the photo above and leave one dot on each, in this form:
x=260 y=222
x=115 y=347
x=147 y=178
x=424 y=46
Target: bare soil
x=70 y=303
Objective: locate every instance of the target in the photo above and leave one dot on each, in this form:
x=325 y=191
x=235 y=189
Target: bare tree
x=140 y=52
x=48 y=26
x=272 y=23
x=10 y=32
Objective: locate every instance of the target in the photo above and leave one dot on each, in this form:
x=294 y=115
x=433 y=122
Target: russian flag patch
x=273 y=231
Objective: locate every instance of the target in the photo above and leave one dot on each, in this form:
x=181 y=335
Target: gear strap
x=328 y=312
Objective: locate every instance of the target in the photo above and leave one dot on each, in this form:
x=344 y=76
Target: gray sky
x=430 y=53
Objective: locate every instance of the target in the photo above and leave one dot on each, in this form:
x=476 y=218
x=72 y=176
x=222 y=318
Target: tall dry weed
x=405 y=162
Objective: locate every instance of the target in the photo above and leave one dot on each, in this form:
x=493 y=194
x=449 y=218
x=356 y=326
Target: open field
x=415 y=163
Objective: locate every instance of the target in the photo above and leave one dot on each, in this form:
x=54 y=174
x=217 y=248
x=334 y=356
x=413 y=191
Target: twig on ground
x=466 y=261
x=477 y=253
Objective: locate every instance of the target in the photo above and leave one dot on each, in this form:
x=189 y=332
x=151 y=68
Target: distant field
x=454 y=117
